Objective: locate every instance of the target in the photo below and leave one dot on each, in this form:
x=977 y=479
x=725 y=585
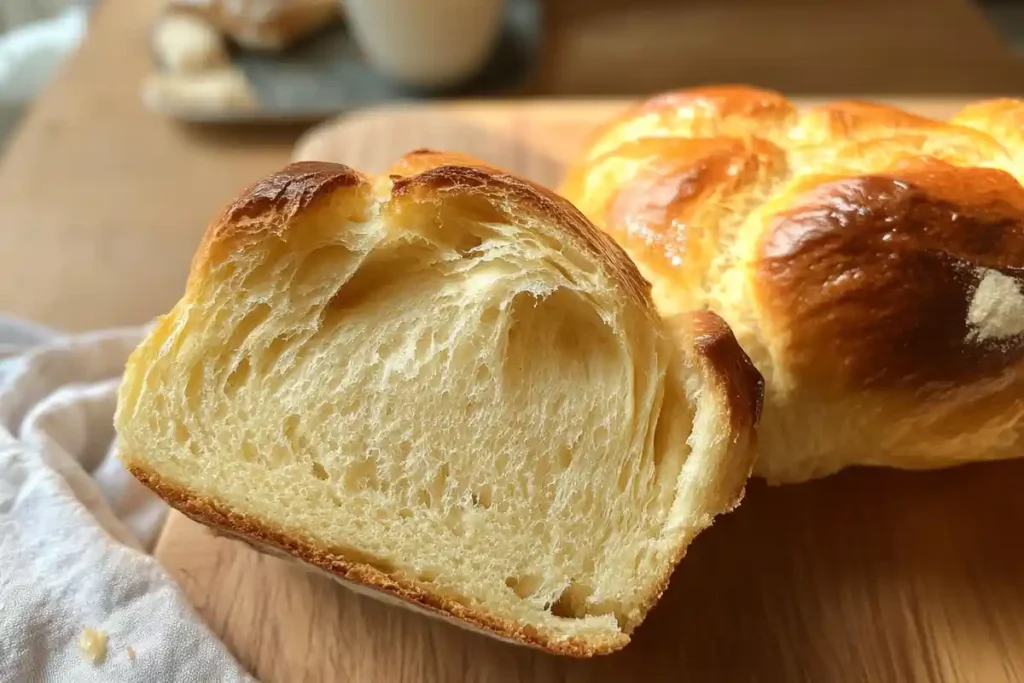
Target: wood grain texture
x=871 y=575
x=868 y=576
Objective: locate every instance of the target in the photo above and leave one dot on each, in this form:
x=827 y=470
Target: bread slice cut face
x=442 y=385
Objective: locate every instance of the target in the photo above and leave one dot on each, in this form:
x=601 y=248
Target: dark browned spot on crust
x=874 y=275
x=292 y=189
x=743 y=384
x=261 y=537
x=446 y=177
x=271 y=205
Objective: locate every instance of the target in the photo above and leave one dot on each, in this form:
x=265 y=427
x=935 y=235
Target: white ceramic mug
x=426 y=43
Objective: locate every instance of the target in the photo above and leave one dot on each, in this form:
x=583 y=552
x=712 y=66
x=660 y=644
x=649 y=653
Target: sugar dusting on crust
x=92 y=643
x=997 y=308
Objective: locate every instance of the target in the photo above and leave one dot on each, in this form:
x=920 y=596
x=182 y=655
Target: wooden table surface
x=872 y=575
x=803 y=47
x=102 y=203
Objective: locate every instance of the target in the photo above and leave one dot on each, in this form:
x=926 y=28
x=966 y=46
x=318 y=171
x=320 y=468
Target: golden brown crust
x=283 y=202
x=726 y=110
x=846 y=119
x=847 y=246
x=424 y=159
x=515 y=198
x=877 y=267
x=725 y=101
x=219 y=517
x=1002 y=118
x=670 y=202
x=705 y=337
x=290 y=191
x=274 y=203
x=280 y=203
x=728 y=367
x=741 y=383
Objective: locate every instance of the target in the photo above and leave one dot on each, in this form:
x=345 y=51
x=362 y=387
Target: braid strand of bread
x=870 y=261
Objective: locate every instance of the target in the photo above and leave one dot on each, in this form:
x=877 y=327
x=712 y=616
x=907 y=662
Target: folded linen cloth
x=80 y=597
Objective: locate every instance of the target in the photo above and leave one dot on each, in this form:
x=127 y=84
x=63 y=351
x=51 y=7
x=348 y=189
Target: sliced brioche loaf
x=445 y=385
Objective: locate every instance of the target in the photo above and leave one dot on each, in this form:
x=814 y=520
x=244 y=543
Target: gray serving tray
x=326 y=75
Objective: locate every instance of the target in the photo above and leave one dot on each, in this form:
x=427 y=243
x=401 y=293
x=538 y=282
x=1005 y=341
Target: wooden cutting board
x=870 y=575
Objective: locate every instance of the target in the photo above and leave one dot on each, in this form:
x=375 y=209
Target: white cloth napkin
x=75 y=527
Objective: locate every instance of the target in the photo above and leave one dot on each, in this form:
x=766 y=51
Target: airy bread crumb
x=448 y=387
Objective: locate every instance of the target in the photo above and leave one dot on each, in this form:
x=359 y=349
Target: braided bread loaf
x=870 y=261
x=447 y=386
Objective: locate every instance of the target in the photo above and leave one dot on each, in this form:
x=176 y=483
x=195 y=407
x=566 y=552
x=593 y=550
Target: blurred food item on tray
x=185 y=43
x=405 y=51
x=263 y=24
x=195 y=75
x=426 y=43
x=214 y=92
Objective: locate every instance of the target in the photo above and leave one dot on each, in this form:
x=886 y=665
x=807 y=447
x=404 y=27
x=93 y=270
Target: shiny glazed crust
x=288 y=205
x=869 y=259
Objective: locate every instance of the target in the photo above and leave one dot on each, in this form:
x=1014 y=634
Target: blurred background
x=125 y=124
x=308 y=59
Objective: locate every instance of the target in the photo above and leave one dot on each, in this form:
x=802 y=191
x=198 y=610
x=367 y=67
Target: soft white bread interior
x=870 y=261
x=446 y=385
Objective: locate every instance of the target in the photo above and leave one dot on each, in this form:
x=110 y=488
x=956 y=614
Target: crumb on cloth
x=93 y=644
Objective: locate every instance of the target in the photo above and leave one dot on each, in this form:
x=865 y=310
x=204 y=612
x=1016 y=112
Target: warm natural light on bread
x=444 y=384
x=869 y=260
